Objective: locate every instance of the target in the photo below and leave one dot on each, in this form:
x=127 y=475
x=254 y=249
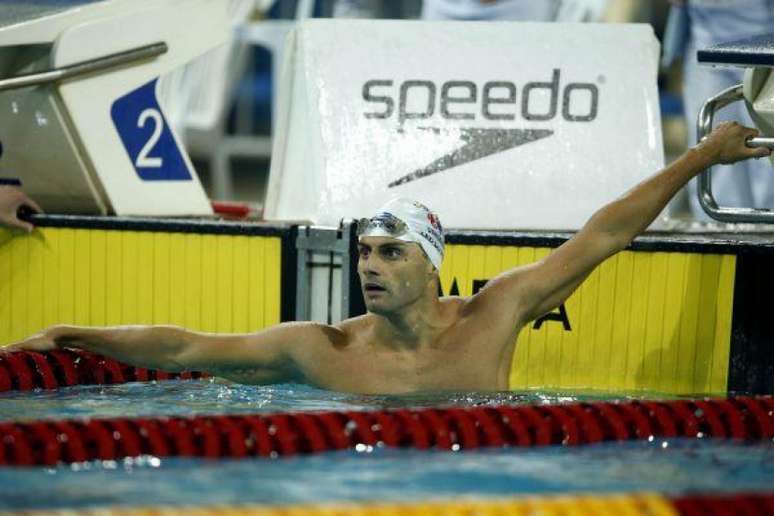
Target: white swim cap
x=408 y=221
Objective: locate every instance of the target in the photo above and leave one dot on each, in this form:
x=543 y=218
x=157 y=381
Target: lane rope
x=50 y=442
x=28 y=370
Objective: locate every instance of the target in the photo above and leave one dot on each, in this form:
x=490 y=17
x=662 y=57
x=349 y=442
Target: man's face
x=392 y=273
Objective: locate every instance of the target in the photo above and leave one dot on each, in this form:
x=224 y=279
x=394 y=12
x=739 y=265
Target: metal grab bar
x=84 y=67
x=761 y=142
x=706 y=199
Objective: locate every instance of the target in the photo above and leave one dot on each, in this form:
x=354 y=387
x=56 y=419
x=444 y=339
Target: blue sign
x=146 y=136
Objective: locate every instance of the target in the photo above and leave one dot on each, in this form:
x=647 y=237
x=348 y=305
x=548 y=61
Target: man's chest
x=462 y=358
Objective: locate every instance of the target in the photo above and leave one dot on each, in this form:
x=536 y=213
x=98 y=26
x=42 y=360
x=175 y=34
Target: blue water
x=671 y=467
x=220 y=397
x=380 y=474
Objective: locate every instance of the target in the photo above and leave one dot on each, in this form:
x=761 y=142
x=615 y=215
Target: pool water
x=671 y=466
x=199 y=397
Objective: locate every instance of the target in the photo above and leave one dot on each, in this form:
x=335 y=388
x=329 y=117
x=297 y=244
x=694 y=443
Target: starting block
x=495 y=125
x=756 y=55
x=81 y=126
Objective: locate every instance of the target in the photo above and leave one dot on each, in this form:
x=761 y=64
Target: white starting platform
x=82 y=129
x=494 y=125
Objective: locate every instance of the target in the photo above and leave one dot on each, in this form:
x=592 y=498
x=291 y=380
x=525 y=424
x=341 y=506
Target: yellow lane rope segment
x=649 y=504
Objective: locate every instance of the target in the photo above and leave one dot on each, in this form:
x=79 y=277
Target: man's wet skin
x=411 y=340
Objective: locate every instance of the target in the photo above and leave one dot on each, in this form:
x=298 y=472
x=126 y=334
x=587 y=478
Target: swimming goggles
x=387 y=222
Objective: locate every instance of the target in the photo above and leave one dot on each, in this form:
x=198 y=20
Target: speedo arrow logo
x=479 y=143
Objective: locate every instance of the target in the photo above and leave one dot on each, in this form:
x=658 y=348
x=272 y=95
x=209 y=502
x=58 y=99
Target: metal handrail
x=761 y=142
x=706 y=199
x=84 y=67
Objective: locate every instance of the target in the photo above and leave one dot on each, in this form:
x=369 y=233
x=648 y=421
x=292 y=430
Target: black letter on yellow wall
x=454 y=290
x=561 y=316
x=478 y=284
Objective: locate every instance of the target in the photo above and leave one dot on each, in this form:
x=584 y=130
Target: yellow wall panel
x=637 y=319
x=177 y=278
x=108 y=277
x=113 y=278
x=706 y=325
x=619 y=340
x=5 y=280
x=50 y=273
x=97 y=278
x=240 y=301
x=272 y=279
x=653 y=321
x=145 y=278
x=256 y=277
x=192 y=298
x=35 y=287
x=686 y=354
x=604 y=323
x=224 y=272
x=81 y=277
x=19 y=295
x=209 y=300
x=586 y=330
x=655 y=331
x=130 y=274
x=161 y=277
x=65 y=273
x=673 y=320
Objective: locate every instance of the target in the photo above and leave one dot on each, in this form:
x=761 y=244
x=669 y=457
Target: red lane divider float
x=27 y=370
x=731 y=504
x=52 y=442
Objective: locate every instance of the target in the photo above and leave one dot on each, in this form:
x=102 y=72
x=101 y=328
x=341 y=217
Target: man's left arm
x=538 y=288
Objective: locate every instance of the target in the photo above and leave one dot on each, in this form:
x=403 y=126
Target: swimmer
x=13 y=202
x=411 y=340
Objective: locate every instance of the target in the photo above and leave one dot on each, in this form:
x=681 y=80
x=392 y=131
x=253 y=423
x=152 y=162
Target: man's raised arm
x=273 y=355
x=538 y=288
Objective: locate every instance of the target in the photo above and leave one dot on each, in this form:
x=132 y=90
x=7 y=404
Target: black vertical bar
x=751 y=361
x=356 y=301
x=289 y=274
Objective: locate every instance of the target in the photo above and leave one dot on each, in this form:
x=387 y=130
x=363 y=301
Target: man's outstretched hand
x=43 y=341
x=727 y=144
x=11 y=200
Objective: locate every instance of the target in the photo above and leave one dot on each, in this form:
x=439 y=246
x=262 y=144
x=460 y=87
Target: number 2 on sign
x=143 y=159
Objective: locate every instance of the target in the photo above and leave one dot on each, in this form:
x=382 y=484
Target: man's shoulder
x=453 y=306
x=355 y=325
x=348 y=331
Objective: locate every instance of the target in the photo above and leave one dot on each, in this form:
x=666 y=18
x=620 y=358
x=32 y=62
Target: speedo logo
x=423 y=100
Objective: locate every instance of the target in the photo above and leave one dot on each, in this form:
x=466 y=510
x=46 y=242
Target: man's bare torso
x=471 y=351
